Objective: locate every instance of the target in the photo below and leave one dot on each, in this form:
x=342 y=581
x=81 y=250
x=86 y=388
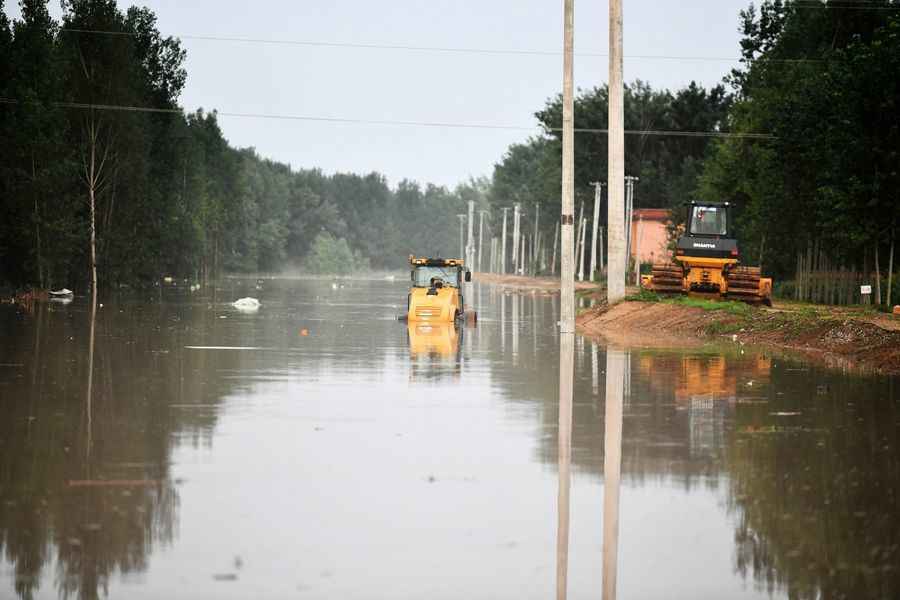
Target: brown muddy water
x=318 y=448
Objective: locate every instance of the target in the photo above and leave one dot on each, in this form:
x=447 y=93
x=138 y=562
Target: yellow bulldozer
x=436 y=293
x=707 y=261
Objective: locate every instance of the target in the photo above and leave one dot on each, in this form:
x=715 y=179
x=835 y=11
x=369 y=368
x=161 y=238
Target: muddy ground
x=839 y=337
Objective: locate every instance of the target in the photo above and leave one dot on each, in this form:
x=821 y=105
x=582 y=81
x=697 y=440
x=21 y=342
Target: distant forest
x=172 y=197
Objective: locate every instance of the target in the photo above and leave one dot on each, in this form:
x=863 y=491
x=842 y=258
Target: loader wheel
x=743 y=285
x=667 y=278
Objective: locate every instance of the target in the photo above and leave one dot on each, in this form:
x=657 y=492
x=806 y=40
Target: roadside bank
x=839 y=337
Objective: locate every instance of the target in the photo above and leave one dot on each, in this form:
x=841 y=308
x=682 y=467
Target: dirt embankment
x=836 y=337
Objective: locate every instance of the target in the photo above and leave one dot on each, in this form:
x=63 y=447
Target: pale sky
x=387 y=84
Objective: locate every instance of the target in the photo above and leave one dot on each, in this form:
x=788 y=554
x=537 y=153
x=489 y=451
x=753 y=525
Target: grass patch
x=724 y=327
x=644 y=296
x=740 y=309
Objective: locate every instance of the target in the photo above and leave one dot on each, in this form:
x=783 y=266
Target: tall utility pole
x=470 y=244
x=566 y=300
x=581 y=250
x=517 y=217
x=462 y=243
x=555 y=244
x=503 y=243
x=601 y=250
x=537 y=218
x=615 y=220
x=578 y=231
x=598 y=195
x=629 y=216
x=522 y=255
x=480 y=237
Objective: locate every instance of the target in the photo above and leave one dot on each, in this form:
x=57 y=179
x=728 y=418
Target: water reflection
x=564 y=452
x=433 y=340
x=612 y=467
x=215 y=434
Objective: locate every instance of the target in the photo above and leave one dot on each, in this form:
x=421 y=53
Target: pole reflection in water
x=566 y=381
x=616 y=361
x=502 y=322
x=88 y=398
x=515 y=327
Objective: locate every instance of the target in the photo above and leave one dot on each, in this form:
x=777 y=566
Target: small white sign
x=865 y=289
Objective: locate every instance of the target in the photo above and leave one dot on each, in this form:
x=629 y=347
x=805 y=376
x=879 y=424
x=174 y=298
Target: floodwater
x=319 y=448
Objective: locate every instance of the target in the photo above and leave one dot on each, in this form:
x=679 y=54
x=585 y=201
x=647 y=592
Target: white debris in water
x=248 y=304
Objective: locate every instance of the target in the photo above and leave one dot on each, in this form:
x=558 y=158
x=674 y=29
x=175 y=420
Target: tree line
x=164 y=193
x=161 y=192
x=817 y=198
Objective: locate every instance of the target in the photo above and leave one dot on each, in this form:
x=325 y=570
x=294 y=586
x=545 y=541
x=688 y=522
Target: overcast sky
x=382 y=84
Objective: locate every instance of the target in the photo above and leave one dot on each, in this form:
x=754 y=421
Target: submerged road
x=319 y=448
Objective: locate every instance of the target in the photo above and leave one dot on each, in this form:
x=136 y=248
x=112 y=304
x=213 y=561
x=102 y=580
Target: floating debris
x=246 y=304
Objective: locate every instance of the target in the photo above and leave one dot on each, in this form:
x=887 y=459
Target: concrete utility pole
x=480 y=237
x=567 y=217
x=566 y=302
x=503 y=243
x=492 y=267
x=581 y=250
x=522 y=255
x=637 y=251
x=615 y=286
x=462 y=243
x=578 y=231
x=601 y=250
x=470 y=244
x=598 y=195
x=517 y=218
x=534 y=240
x=555 y=244
x=629 y=217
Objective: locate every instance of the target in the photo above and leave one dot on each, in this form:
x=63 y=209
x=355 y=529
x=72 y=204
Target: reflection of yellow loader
x=427 y=338
x=436 y=292
x=707 y=261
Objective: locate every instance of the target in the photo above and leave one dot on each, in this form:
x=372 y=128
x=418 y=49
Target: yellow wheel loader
x=707 y=261
x=436 y=292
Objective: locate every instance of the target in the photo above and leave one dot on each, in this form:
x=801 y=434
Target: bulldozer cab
x=709 y=220
x=436 y=291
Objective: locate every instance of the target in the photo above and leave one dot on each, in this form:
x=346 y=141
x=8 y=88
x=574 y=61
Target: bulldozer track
x=667 y=279
x=743 y=284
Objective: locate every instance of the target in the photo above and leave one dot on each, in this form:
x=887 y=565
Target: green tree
x=330 y=256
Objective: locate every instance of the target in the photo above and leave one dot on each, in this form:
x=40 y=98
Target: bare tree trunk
x=92 y=199
x=762 y=250
x=877 y=277
x=890 y=274
x=37 y=224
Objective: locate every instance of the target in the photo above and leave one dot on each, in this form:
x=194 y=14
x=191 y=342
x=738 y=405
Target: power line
x=436 y=49
x=397 y=122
